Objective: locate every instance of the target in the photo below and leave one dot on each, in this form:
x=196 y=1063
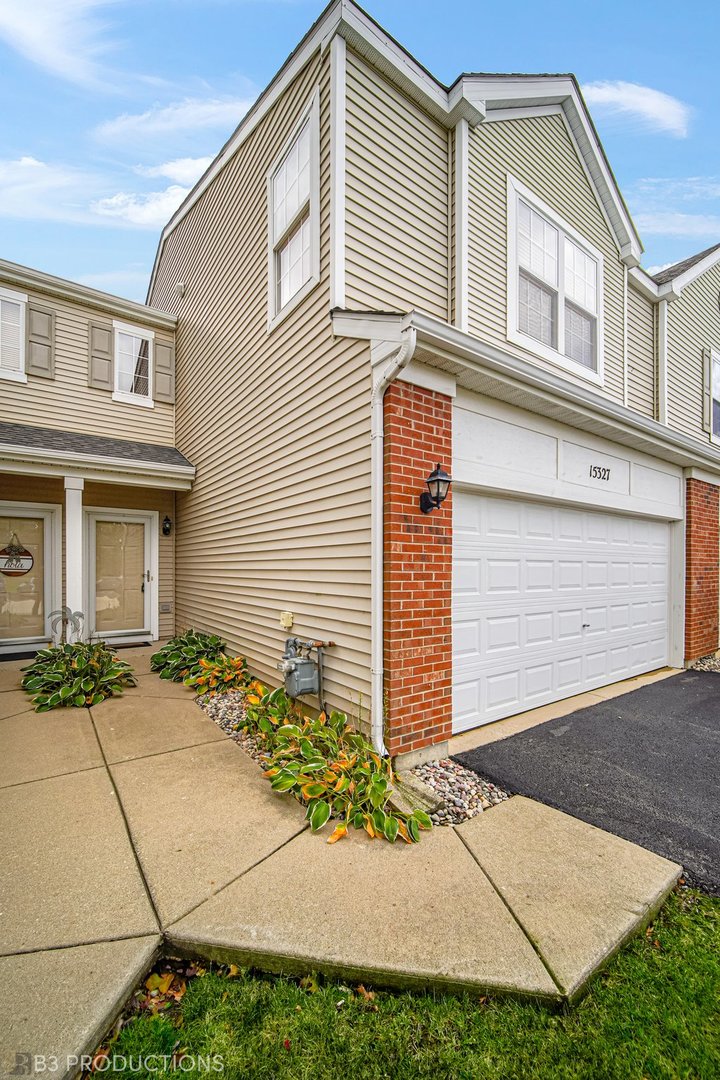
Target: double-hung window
x=294 y=218
x=554 y=287
x=133 y=364
x=12 y=335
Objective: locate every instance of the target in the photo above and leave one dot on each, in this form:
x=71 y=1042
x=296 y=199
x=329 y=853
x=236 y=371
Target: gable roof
x=472 y=97
x=680 y=269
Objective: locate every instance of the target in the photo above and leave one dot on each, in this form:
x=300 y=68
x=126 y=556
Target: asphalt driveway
x=645 y=766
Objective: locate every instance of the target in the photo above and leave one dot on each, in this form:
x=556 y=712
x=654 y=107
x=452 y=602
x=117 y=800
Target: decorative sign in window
x=15 y=560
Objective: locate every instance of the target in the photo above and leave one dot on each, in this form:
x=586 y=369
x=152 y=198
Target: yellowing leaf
x=340 y=831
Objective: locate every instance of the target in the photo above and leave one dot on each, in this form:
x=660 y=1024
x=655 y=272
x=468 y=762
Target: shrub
x=329 y=767
x=220 y=675
x=180 y=657
x=78 y=674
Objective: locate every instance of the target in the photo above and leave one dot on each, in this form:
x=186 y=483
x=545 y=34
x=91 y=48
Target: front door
x=121 y=576
x=29 y=574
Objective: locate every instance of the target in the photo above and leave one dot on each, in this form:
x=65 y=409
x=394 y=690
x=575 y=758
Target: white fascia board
x=369 y=325
x=468 y=351
x=38 y=281
x=650 y=289
x=14 y=458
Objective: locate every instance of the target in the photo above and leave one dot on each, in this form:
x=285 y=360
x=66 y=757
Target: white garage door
x=549 y=601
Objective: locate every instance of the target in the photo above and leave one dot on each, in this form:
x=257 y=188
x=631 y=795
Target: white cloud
x=682 y=188
x=648 y=108
x=66 y=37
x=181 y=170
x=191 y=114
x=36 y=190
x=145 y=211
x=658 y=269
x=675 y=223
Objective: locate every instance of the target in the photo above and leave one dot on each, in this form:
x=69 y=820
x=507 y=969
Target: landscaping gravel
x=228 y=711
x=464 y=792
x=707 y=663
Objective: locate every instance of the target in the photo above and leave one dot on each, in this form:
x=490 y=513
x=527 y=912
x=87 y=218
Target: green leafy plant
x=329 y=767
x=79 y=674
x=220 y=675
x=180 y=658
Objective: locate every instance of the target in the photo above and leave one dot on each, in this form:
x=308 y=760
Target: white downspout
x=377 y=535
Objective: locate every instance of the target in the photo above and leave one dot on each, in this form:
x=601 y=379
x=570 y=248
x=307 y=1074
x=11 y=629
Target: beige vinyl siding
x=397 y=199
x=693 y=325
x=67 y=402
x=278 y=426
x=539 y=152
x=50 y=489
x=641 y=354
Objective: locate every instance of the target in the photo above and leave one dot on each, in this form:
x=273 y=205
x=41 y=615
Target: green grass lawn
x=654 y=1013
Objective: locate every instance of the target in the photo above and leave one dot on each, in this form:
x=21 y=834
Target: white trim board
x=338 y=120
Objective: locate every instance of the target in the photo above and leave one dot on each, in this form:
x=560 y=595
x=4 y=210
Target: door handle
x=586 y=626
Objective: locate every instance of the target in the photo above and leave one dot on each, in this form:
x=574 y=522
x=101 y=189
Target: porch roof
x=24 y=448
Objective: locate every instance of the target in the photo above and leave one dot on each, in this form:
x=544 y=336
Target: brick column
x=702 y=552
x=418 y=571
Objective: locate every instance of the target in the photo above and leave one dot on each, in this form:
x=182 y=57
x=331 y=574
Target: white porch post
x=74 y=593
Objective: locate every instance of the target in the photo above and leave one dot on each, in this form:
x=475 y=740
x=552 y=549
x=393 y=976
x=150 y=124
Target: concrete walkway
x=138 y=825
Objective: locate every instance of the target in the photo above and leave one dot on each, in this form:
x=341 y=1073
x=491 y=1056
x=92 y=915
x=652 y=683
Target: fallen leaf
x=310 y=984
x=287 y=1044
x=366 y=995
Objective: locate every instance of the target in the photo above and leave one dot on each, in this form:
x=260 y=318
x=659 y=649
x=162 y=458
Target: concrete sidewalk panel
x=38 y=745
x=11 y=674
x=133 y=727
x=420 y=916
x=578 y=892
x=13 y=702
x=60 y=1003
x=69 y=872
x=199 y=817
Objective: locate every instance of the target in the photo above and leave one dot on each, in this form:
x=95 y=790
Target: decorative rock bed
x=707 y=663
x=463 y=792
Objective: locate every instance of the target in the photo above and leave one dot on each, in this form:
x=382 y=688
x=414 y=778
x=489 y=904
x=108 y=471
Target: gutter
x=401 y=358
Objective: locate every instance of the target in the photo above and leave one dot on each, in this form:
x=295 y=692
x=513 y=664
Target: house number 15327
x=599 y=472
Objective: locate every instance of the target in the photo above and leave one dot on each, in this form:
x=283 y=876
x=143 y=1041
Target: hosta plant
x=79 y=674
x=331 y=768
x=220 y=675
x=180 y=657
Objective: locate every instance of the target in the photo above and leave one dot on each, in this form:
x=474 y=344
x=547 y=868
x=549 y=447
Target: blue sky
x=112 y=108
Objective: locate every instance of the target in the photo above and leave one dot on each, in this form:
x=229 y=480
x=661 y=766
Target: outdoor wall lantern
x=438 y=484
x=166 y=526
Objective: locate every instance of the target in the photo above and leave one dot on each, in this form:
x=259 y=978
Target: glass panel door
x=22 y=590
x=121 y=589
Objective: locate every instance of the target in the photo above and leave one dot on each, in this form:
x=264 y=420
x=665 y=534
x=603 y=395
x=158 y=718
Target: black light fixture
x=438 y=484
x=166 y=526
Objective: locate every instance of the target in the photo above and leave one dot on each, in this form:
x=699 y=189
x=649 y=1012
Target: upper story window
x=133 y=364
x=12 y=335
x=554 y=287
x=294 y=218
x=714 y=388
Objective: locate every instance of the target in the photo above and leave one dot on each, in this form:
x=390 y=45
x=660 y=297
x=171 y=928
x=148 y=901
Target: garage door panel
x=568 y=601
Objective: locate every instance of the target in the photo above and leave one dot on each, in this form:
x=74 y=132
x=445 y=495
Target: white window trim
x=515 y=191
x=121 y=395
x=276 y=314
x=19 y=298
x=714 y=359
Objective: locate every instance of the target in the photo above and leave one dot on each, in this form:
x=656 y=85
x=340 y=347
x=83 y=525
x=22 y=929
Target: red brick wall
x=702 y=551
x=418 y=571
